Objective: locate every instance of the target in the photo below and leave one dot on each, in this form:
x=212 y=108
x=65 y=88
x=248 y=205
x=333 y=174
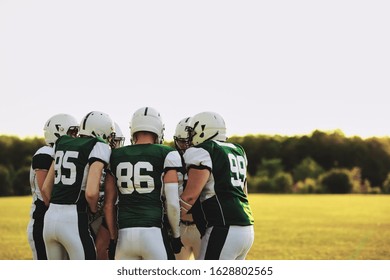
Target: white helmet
x=182 y=137
x=147 y=119
x=206 y=126
x=119 y=138
x=59 y=125
x=98 y=124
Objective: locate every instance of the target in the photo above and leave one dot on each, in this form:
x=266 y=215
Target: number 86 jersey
x=223 y=198
x=139 y=170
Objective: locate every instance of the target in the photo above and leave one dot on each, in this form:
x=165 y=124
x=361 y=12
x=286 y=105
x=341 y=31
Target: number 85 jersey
x=73 y=156
x=223 y=199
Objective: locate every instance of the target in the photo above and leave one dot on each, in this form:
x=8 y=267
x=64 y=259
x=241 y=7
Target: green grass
x=14 y=218
x=321 y=227
x=287 y=227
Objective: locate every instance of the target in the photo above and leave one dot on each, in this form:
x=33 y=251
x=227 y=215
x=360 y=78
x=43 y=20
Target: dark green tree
x=282 y=183
x=337 y=181
x=5 y=181
x=21 y=182
x=307 y=168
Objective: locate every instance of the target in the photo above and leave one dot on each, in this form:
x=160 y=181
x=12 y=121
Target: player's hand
x=176 y=245
x=111 y=249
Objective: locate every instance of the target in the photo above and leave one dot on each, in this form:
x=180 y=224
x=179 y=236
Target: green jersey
x=223 y=199
x=72 y=159
x=139 y=171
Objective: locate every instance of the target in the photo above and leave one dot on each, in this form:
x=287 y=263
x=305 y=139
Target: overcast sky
x=268 y=67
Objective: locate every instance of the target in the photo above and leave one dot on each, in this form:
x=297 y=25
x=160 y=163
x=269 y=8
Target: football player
x=143 y=173
x=217 y=176
x=189 y=233
x=72 y=184
x=98 y=223
x=55 y=127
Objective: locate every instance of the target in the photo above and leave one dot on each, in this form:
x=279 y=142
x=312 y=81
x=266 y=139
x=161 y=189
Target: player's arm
x=41 y=175
x=171 y=193
x=199 y=166
x=110 y=198
x=93 y=184
x=246 y=187
x=98 y=160
x=197 y=179
x=41 y=163
x=47 y=185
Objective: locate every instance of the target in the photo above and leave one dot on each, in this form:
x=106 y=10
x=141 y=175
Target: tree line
x=323 y=162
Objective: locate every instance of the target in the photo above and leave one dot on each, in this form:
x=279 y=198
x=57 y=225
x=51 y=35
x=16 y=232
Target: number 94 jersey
x=139 y=170
x=223 y=199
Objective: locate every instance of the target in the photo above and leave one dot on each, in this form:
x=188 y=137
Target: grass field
x=287 y=227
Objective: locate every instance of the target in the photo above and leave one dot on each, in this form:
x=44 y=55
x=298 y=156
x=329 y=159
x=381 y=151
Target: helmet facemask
x=182 y=136
x=119 y=142
x=73 y=131
x=182 y=144
x=111 y=140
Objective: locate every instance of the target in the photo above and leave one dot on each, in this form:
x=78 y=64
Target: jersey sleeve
x=100 y=152
x=43 y=158
x=172 y=161
x=197 y=158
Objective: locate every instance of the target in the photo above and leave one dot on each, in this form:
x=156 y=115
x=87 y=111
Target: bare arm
x=110 y=197
x=41 y=176
x=93 y=184
x=197 y=179
x=47 y=185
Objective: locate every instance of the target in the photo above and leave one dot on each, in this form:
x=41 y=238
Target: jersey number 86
x=130 y=179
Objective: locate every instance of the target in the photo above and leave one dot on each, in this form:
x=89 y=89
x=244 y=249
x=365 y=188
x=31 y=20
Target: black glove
x=176 y=245
x=111 y=249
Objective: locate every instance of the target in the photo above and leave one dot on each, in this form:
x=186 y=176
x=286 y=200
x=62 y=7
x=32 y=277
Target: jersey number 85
x=62 y=164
